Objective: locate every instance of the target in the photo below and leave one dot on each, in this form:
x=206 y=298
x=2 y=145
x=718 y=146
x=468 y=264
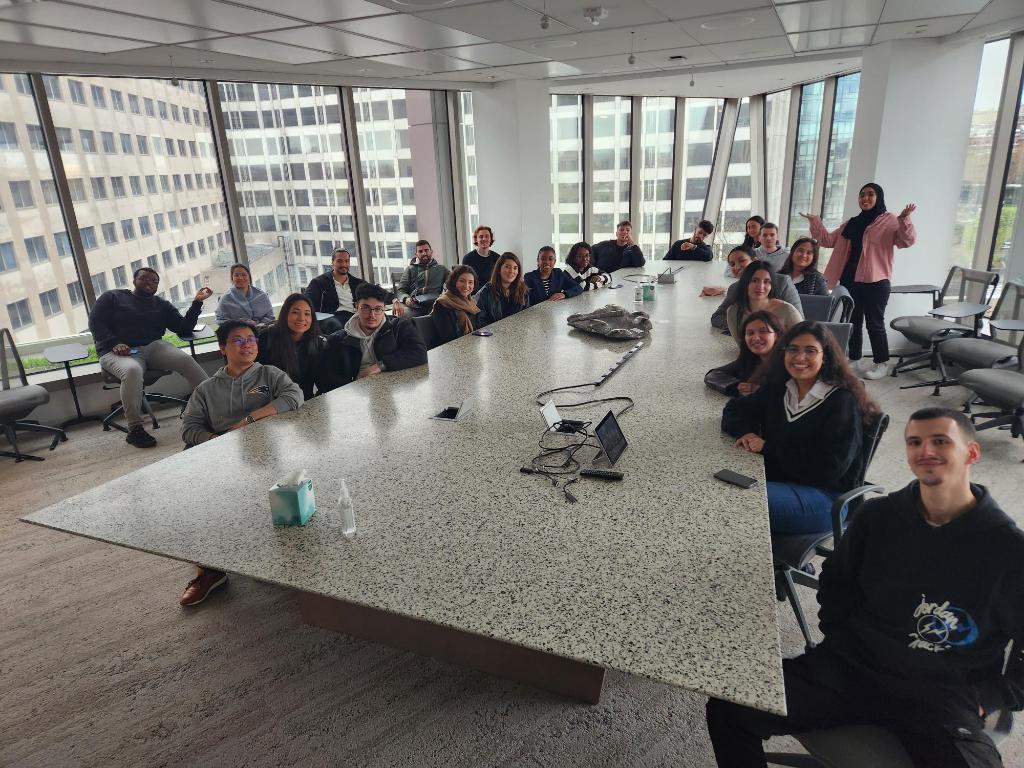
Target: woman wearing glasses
x=294 y=344
x=802 y=267
x=370 y=343
x=807 y=420
x=240 y=393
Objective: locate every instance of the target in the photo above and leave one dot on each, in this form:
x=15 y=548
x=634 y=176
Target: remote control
x=601 y=474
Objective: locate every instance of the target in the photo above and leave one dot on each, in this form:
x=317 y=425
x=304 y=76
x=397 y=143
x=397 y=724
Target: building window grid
x=566 y=136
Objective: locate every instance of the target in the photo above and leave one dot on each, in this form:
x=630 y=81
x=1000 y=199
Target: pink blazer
x=884 y=234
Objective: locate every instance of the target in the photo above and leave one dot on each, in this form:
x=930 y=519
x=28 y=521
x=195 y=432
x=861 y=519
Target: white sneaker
x=861 y=365
x=876 y=371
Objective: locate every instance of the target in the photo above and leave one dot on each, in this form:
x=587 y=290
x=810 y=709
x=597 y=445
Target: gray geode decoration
x=613 y=322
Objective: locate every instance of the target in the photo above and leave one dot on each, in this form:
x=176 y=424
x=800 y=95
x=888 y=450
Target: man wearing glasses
x=371 y=343
x=128 y=328
x=240 y=393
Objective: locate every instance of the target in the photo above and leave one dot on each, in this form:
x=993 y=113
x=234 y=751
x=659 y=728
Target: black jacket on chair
x=397 y=344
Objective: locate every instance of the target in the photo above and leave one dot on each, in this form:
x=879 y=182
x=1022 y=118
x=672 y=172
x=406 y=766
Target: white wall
x=513 y=165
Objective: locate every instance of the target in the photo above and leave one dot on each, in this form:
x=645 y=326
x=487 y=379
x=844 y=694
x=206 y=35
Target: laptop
x=609 y=434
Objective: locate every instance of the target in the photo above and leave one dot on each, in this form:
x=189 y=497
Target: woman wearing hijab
x=862 y=262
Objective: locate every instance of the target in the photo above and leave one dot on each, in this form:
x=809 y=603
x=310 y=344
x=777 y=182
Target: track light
x=632 y=58
x=545 y=22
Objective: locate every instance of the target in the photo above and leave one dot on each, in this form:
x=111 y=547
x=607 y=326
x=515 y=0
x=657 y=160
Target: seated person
x=693 y=248
x=240 y=393
x=482 y=259
x=547 y=282
x=580 y=267
x=335 y=292
x=128 y=329
x=611 y=255
x=802 y=268
x=752 y=238
x=455 y=313
x=760 y=331
x=736 y=262
x=756 y=291
x=506 y=294
x=782 y=287
x=370 y=342
x=244 y=301
x=294 y=344
x=422 y=281
x=807 y=420
x=919 y=602
x=770 y=250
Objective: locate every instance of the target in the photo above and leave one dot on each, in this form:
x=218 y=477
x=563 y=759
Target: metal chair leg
x=798 y=611
x=16 y=454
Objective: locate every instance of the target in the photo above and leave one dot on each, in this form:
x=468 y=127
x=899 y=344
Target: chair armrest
x=840 y=503
x=934 y=290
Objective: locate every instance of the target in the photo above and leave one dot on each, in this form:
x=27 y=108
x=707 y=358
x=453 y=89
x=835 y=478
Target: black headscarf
x=854 y=229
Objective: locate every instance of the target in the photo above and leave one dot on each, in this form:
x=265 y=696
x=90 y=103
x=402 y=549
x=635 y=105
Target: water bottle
x=346 y=512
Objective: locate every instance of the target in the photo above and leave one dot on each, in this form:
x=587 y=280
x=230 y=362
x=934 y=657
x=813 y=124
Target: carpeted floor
x=99 y=666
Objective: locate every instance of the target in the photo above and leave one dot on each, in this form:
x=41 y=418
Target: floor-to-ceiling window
x=808 y=129
x=566 y=116
x=467 y=143
x=656 y=141
x=1007 y=227
x=776 y=128
x=735 y=209
x=702 y=120
x=288 y=166
x=838 y=168
x=612 y=144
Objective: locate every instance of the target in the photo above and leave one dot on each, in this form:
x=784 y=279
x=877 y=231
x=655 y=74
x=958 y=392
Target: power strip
x=618 y=363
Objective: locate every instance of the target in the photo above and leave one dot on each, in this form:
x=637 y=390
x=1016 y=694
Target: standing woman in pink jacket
x=862 y=262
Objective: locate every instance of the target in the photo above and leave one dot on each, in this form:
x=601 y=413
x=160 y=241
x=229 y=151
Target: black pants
x=869 y=300
x=938 y=728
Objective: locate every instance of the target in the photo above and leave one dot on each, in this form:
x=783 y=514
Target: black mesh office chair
x=18 y=399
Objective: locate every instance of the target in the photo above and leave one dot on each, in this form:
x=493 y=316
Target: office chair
x=17 y=402
x=424 y=324
x=149 y=378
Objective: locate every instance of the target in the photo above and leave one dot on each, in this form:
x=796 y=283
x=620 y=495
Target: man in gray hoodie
x=240 y=393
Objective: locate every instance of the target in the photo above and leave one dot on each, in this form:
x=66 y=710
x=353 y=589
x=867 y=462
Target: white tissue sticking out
x=292 y=478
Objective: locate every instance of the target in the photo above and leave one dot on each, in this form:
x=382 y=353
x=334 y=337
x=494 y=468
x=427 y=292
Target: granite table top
x=667 y=574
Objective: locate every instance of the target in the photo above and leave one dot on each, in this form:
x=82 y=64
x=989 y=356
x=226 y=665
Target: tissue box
x=292 y=504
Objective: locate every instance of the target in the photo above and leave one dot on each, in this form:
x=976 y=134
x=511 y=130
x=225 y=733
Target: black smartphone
x=735 y=478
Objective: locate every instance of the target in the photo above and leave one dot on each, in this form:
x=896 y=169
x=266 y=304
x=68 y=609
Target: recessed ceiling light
x=547 y=45
x=725 y=22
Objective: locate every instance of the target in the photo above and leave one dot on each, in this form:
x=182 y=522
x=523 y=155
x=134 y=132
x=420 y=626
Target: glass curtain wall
x=702 y=120
x=836 y=172
x=808 y=128
x=144 y=175
x=735 y=209
x=467 y=139
x=776 y=127
x=566 y=115
x=382 y=128
x=656 y=141
x=40 y=293
x=1010 y=202
x=612 y=143
x=288 y=164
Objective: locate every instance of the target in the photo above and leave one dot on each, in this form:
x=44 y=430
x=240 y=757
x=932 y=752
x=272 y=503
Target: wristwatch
x=249 y=419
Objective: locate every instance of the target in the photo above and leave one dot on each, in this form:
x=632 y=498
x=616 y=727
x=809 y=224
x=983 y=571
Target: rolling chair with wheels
x=17 y=402
x=1001 y=388
x=149 y=378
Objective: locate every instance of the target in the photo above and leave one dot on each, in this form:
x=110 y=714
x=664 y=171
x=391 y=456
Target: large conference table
x=666 y=575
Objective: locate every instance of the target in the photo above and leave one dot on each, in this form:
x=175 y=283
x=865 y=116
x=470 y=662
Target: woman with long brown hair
x=807 y=420
x=294 y=344
x=455 y=313
x=506 y=293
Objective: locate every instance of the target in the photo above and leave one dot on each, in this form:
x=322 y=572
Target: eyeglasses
x=808 y=351
x=241 y=341
x=366 y=309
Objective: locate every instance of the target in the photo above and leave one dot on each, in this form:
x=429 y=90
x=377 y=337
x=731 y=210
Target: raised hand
x=203 y=294
x=908 y=210
x=810 y=216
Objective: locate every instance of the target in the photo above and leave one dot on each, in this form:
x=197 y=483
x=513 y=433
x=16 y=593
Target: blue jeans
x=794 y=508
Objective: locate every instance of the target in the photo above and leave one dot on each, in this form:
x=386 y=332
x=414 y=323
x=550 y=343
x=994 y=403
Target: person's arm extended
x=99 y=321
x=725 y=379
x=837 y=584
x=174 y=320
x=906 y=235
x=743 y=415
x=195 y=427
x=410 y=349
x=825 y=238
x=287 y=394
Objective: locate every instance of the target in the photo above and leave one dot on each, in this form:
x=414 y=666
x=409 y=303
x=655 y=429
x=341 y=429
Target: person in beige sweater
x=756 y=293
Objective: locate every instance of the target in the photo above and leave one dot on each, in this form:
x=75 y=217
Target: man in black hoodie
x=918 y=604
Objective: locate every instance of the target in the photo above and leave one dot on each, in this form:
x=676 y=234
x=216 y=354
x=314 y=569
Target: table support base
x=557 y=674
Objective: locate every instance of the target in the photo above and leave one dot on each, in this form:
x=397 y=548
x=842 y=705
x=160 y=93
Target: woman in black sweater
x=802 y=266
x=759 y=331
x=294 y=344
x=807 y=420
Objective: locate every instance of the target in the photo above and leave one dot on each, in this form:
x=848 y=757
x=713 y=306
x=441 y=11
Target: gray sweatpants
x=130 y=369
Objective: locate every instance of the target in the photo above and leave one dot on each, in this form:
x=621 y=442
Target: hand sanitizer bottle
x=346 y=513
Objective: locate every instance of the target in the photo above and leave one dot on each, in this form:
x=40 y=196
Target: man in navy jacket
x=918 y=603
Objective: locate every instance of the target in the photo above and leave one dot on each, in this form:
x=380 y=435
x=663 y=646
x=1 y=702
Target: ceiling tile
x=262 y=49
x=692 y=9
x=829 y=14
x=313 y=10
x=652 y=37
x=498 y=22
x=904 y=10
x=356 y=68
x=608 y=64
x=63 y=38
x=493 y=54
x=831 y=38
x=487 y=75
x=73 y=17
x=334 y=41
x=186 y=57
x=197 y=13
x=997 y=11
x=742 y=25
x=621 y=13
x=947 y=25
x=545 y=69
x=425 y=61
x=419 y=6
x=766 y=48
x=410 y=31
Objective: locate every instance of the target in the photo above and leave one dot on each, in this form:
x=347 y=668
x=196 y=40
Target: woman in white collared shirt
x=807 y=420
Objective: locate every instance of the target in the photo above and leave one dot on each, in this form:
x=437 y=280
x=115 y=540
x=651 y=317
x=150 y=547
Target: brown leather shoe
x=201 y=586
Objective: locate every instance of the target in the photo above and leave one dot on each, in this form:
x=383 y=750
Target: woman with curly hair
x=807 y=420
x=579 y=265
